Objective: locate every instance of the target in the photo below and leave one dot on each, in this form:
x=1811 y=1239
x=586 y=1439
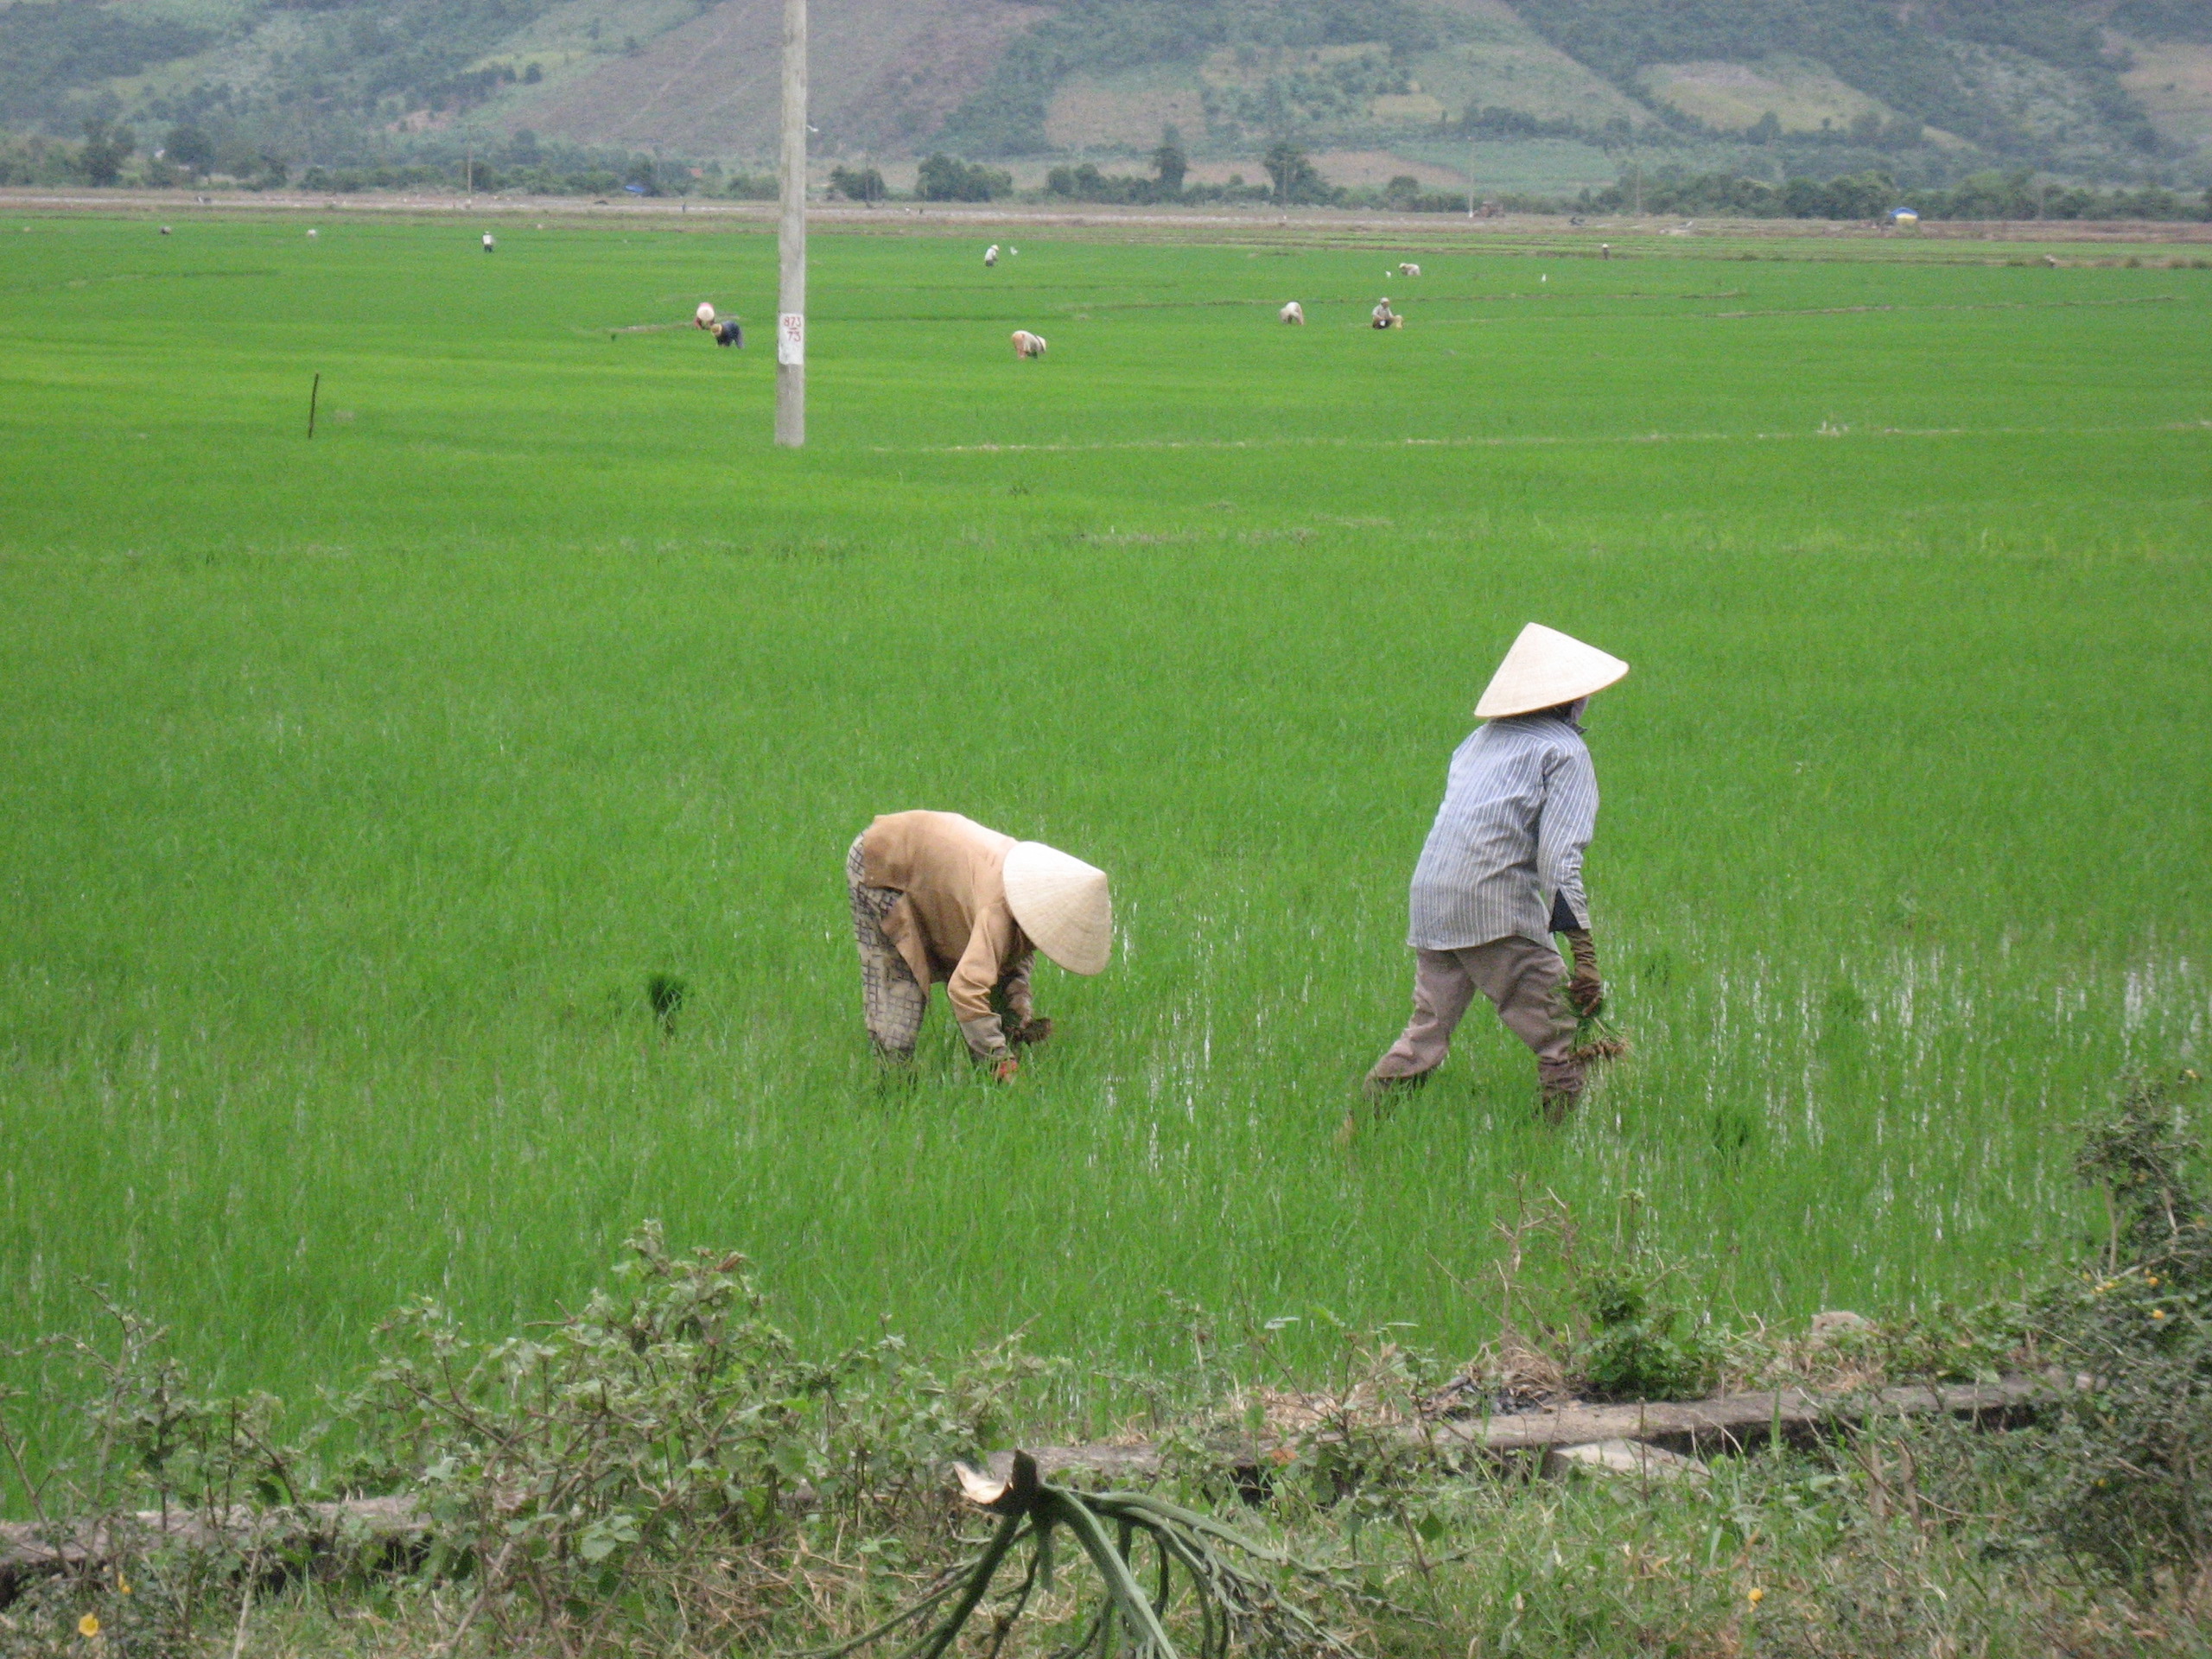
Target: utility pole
x=791 y=239
x=1471 y=178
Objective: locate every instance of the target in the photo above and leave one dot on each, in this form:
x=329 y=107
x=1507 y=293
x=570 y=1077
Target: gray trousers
x=1520 y=976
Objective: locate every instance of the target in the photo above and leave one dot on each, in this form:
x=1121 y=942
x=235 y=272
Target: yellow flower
x=122 y=1583
x=2150 y=1278
x=88 y=1627
x=1756 y=1597
x=2157 y=1313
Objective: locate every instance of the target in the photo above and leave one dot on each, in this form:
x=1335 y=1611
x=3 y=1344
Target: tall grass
x=356 y=791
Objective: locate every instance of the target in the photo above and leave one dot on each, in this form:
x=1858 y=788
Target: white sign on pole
x=790 y=339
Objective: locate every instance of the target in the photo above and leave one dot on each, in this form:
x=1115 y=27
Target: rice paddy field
x=354 y=789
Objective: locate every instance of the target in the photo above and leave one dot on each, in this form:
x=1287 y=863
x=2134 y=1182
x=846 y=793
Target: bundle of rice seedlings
x=1596 y=1037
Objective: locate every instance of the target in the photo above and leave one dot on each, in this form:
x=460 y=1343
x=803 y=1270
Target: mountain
x=2091 y=89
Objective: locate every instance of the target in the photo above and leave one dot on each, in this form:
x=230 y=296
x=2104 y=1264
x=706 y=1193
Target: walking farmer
x=938 y=897
x=1501 y=872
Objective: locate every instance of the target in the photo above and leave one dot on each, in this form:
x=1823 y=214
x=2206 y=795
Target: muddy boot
x=1561 y=1085
x=1381 y=1096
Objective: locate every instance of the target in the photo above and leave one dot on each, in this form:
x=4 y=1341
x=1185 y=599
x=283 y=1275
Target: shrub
x=1639 y=1345
x=2127 y=1483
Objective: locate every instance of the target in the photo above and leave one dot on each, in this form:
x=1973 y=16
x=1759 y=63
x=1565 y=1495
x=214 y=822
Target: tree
x=106 y=148
x=1296 y=179
x=943 y=178
x=863 y=184
x=1170 y=163
x=190 y=149
x=1765 y=130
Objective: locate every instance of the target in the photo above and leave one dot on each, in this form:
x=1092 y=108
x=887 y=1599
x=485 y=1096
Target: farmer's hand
x=1003 y=1071
x=1586 y=991
x=1030 y=1032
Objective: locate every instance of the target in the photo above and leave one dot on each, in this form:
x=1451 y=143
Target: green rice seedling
x=665 y=993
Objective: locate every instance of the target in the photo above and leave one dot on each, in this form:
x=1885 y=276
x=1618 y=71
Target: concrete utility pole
x=791 y=239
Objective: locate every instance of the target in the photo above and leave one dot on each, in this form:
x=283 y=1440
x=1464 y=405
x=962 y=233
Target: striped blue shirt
x=1504 y=856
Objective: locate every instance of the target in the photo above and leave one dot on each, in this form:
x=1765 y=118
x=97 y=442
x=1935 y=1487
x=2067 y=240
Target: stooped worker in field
x=936 y=896
x=1501 y=872
x=726 y=330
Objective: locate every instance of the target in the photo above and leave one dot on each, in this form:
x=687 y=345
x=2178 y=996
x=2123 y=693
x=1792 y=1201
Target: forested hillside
x=2114 y=91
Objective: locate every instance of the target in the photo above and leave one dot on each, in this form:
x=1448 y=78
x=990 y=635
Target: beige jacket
x=952 y=922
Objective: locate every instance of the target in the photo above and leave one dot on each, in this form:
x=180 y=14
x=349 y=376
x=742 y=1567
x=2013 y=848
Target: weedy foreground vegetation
x=664 y=1471
x=421 y=844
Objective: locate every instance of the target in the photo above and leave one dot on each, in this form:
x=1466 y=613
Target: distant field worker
x=725 y=330
x=1501 y=872
x=991 y=254
x=1293 y=313
x=1382 y=317
x=1028 y=345
x=489 y=243
x=936 y=896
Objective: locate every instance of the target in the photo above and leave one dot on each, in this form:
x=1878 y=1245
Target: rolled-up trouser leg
x=890 y=1002
x=1442 y=990
x=1523 y=976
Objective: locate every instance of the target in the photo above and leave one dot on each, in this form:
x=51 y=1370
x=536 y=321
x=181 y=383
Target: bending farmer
x=1501 y=872
x=938 y=897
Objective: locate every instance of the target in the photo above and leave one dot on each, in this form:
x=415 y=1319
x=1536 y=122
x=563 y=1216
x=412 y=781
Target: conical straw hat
x=1544 y=669
x=1062 y=905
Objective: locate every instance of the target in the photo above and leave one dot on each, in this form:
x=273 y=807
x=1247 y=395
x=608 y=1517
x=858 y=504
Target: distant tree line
x=111 y=154
x=2014 y=195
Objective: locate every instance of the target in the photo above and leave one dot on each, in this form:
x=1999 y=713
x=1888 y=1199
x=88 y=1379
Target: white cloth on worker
x=1504 y=856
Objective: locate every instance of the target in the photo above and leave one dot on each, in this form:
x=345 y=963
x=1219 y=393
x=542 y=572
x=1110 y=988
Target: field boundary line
x=1538 y=440
x=1978 y=305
